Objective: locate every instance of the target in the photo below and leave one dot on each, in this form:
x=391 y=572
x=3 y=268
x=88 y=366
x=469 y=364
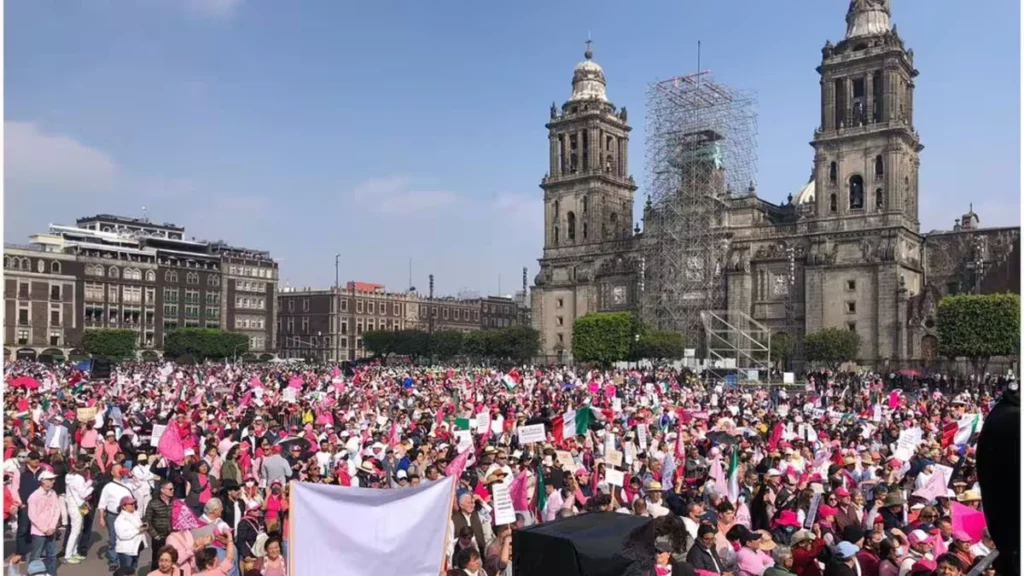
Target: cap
x=801 y=536
x=917 y=537
x=842 y=492
x=846 y=550
x=127 y=500
x=47 y=475
x=401 y=474
x=923 y=566
x=773 y=472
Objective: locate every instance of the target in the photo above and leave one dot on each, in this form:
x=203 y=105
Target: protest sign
x=614 y=477
x=641 y=434
x=504 y=513
x=465 y=440
x=531 y=433
x=813 y=510
x=87 y=414
x=613 y=457
x=565 y=460
x=158 y=431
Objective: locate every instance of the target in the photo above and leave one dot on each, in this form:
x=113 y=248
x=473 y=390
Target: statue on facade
x=554 y=111
x=867 y=18
x=828 y=50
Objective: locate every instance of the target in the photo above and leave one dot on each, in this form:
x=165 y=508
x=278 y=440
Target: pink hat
x=826 y=511
x=917 y=537
x=841 y=492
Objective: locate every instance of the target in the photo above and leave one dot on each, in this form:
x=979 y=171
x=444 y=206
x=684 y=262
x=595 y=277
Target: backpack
x=259 y=548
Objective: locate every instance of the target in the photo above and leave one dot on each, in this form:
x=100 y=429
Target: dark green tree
x=520 y=343
x=446 y=344
x=832 y=346
x=205 y=344
x=381 y=342
x=782 y=349
x=659 y=345
x=604 y=337
x=114 y=344
x=978 y=327
x=412 y=343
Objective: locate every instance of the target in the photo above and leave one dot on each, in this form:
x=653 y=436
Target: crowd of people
x=186 y=469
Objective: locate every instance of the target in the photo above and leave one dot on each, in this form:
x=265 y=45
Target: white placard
x=876 y=413
x=483 y=421
x=609 y=441
x=617 y=404
x=504 y=513
x=630 y=452
x=158 y=431
x=907 y=444
x=498 y=425
x=689 y=352
x=288 y=395
x=783 y=410
x=788 y=378
x=614 y=477
x=945 y=471
x=382 y=420
x=465 y=440
x=641 y=434
x=531 y=433
x=613 y=457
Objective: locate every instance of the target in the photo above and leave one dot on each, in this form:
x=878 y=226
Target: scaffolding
x=700 y=149
x=738 y=347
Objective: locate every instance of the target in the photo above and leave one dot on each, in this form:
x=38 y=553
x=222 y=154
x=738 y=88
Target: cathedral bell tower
x=588 y=192
x=867 y=152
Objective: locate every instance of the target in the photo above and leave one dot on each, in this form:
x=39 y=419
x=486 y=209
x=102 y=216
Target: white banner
x=398 y=531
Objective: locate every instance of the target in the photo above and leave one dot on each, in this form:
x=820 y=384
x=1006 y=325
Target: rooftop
x=128 y=220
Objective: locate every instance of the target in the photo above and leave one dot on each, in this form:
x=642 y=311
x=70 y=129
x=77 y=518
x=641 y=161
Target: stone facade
x=846 y=252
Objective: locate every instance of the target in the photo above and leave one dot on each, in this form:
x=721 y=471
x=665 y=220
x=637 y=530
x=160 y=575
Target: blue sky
x=393 y=130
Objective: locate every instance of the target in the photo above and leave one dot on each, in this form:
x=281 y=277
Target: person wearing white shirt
x=984 y=547
x=144 y=479
x=130 y=533
x=76 y=495
x=109 y=508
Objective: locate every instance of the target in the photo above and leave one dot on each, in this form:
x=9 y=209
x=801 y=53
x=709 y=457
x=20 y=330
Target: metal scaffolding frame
x=700 y=149
x=736 y=344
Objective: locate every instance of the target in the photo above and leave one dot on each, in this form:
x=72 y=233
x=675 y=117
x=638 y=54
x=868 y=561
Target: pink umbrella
x=26 y=382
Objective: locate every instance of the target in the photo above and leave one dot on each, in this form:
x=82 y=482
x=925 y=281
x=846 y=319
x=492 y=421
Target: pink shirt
x=752 y=561
x=105 y=454
x=219 y=570
x=43 y=511
x=89 y=438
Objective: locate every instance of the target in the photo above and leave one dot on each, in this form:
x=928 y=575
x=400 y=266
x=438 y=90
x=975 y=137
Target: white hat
x=773 y=472
x=401 y=474
x=47 y=475
x=190 y=452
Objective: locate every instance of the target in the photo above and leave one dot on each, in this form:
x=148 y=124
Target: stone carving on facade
x=780 y=287
x=868 y=251
x=554 y=111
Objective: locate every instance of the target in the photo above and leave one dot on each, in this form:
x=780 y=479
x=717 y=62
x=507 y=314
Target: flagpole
x=447 y=532
x=291 y=527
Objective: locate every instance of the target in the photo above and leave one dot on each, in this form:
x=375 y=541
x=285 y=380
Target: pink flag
x=935 y=487
x=255 y=382
x=170 y=445
x=969 y=521
x=609 y=390
x=335 y=372
x=394 y=438
x=456 y=466
x=716 y=472
x=296 y=382
x=894 y=399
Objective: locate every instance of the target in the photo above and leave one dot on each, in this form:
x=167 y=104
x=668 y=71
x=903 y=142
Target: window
x=571 y=218
x=359 y=307
x=851 y=307
x=476 y=315
x=879 y=167
x=213 y=299
x=191 y=296
x=879 y=199
x=445 y=312
x=291 y=325
x=55 y=267
x=433 y=311
x=561 y=338
x=456 y=314
x=55 y=292
x=556 y=234
x=22 y=337
x=344 y=327
x=856 y=192
x=832 y=204
x=832 y=173
x=171 y=295
x=395 y=309
x=150 y=276
x=212 y=313
x=192 y=278
x=851 y=326
x=170 y=310
x=560 y=320
x=305 y=304
x=150 y=317
x=170 y=325
x=112 y=294
x=171 y=276
x=559 y=303
x=94 y=270
x=305 y=325
x=213 y=280
x=370 y=326
x=851 y=285
x=555 y=208
x=150 y=295
x=23 y=317
x=359 y=327
x=344 y=305
x=291 y=305
x=584 y=204
x=132 y=295
x=113 y=272
x=132 y=274
x=584 y=230
x=93 y=292
x=382 y=308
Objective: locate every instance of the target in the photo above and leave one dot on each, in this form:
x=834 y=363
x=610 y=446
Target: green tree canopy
x=978 y=327
x=660 y=345
x=832 y=346
x=115 y=344
x=446 y=344
x=604 y=337
x=782 y=348
x=381 y=342
x=205 y=344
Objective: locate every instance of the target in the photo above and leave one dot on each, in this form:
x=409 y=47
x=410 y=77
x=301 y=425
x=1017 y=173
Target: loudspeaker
x=100 y=369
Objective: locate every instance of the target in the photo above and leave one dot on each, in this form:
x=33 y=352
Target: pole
x=430 y=322
x=336 y=297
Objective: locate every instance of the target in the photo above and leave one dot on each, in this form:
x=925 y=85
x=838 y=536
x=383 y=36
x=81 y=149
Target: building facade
x=499 y=312
x=130 y=273
x=846 y=252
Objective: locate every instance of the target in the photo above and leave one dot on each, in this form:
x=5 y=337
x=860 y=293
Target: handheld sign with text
x=565 y=460
x=641 y=434
x=613 y=457
x=532 y=433
x=614 y=477
x=504 y=512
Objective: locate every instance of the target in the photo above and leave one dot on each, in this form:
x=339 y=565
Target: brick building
x=499 y=312
x=128 y=273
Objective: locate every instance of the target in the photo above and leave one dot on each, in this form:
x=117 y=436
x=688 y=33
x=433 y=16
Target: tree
x=205 y=344
x=412 y=343
x=660 y=345
x=782 y=348
x=446 y=344
x=381 y=342
x=520 y=343
x=832 y=346
x=604 y=337
x=116 y=344
x=978 y=327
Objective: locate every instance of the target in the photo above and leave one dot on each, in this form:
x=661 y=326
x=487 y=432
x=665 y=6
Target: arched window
x=192 y=278
x=171 y=276
x=26 y=264
x=55 y=267
x=832 y=204
x=7 y=262
x=572 y=226
x=584 y=230
x=879 y=200
x=879 y=166
x=555 y=206
x=150 y=276
x=556 y=234
x=584 y=204
x=609 y=164
x=114 y=272
x=832 y=171
x=856 y=192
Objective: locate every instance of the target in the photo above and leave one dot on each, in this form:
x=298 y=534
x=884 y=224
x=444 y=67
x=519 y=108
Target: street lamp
x=430 y=322
x=336 y=303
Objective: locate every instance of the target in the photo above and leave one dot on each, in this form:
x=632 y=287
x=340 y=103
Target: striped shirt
x=43 y=511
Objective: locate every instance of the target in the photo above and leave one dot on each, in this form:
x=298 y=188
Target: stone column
x=869 y=98
x=624 y=157
x=848 y=120
x=555 y=168
x=595 y=149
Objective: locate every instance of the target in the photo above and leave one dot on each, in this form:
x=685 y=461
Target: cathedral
x=845 y=251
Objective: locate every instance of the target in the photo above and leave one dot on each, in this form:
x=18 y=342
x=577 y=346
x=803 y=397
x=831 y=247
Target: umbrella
x=287 y=443
x=26 y=382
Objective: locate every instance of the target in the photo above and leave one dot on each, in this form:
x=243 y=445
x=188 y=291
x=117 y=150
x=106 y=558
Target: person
x=948 y=565
x=783 y=557
x=467 y=516
x=985 y=546
x=78 y=489
x=655 y=506
x=38 y=568
x=751 y=559
x=807 y=547
x=28 y=483
x=157 y=517
x=230 y=469
x=499 y=553
x=130 y=532
x=208 y=563
x=468 y=561
x=703 y=555
x=843 y=561
x=109 y=508
x=185 y=545
x=43 y=512
x=199 y=487
x=166 y=562
x=920 y=549
x=274 y=564
x=889 y=554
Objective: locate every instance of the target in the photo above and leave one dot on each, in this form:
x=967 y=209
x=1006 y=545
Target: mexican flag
x=542 y=496
x=573 y=423
x=734 y=476
x=958 y=433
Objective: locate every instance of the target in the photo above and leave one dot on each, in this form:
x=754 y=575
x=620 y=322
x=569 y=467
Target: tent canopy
x=593 y=544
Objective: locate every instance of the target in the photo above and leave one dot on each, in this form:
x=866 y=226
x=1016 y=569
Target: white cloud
x=216 y=8
x=396 y=196
x=34 y=160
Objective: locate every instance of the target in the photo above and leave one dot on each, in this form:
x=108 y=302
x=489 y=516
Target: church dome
x=805 y=195
x=588 y=79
